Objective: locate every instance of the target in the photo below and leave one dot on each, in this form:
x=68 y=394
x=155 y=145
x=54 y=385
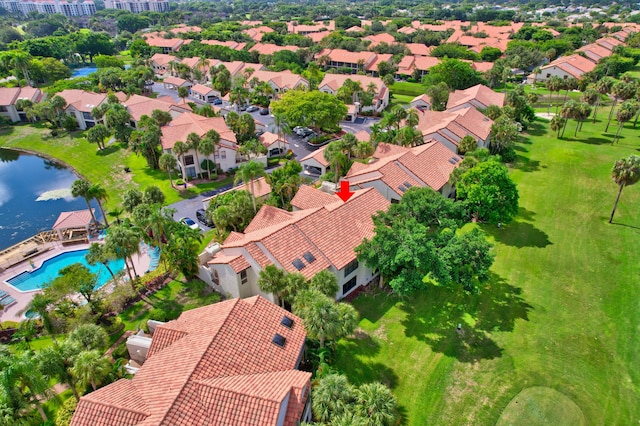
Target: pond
x=33 y=192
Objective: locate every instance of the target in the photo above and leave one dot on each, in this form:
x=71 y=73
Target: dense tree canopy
x=313 y=109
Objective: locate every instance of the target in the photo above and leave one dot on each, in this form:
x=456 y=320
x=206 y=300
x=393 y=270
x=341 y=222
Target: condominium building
x=137 y=6
x=63 y=7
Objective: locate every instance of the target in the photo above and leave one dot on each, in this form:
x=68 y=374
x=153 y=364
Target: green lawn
x=551 y=338
x=174 y=297
x=407 y=89
x=106 y=167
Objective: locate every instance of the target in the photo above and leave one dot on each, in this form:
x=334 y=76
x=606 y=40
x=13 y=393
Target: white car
x=189 y=222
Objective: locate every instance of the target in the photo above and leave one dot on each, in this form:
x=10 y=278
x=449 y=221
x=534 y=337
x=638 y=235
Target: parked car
x=259 y=133
x=297 y=129
x=189 y=222
x=311 y=135
x=217 y=102
x=264 y=111
x=252 y=108
x=302 y=131
x=204 y=219
x=243 y=107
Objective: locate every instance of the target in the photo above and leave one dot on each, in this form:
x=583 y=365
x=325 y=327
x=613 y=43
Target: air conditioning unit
x=213 y=248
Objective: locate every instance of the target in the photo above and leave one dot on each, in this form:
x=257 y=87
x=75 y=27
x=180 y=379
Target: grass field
x=551 y=339
x=106 y=167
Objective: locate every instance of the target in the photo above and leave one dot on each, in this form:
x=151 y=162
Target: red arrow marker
x=344 y=192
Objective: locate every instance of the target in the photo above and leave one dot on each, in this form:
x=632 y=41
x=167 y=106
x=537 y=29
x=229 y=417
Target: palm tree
x=363 y=150
x=208 y=146
x=91 y=367
x=332 y=397
x=100 y=253
x=193 y=142
x=323 y=318
x=603 y=87
x=21 y=379
x=582 y=112
x=620 y=91
x=625 y=172
x=568 y=111
x=179 y=149
x=557 y=123
x=349 y=142
x=116 y=212
x=168 y=162
x=247 y=173
x=591 y=96
x=624 y=114
x=39 y=305
x=273 y=280
x=81 y=188
x=554 y=84
x=569 y=84
x=124 y=242
x=55 y=362
x=202 y=64
x=334 y=154
x=183 y=93
x=376 y=403
x=98 y=193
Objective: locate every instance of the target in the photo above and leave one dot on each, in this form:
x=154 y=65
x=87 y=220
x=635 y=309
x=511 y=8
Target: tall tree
x=439 y=95
x=124 y=242
x=22 y=382
x=489 y=192
x=98 y=193
x=325 y=282
x=620 y=91
x=603 y=87
x=180 y=149
x=557 y=124
x=334 y=153
x=376 y=403
x=193 y=142
x=323 y=318
x=100 y=253
x=332 y=397
x=91 y=368
x=97 y=134
x=56 y=362
x=208 y=146
x=183 y=248
x=82 y=188
x=625 y=113
x=625 y=172
x=168 y=163
x=247 y=173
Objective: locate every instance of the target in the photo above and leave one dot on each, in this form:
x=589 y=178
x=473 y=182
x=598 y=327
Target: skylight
x=287 y=322
x=402 y=188
x=279 y=340
x=298 y=264
x=309 y=257
x=407 y=184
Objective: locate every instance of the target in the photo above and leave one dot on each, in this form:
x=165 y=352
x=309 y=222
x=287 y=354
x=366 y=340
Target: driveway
x=188 y=208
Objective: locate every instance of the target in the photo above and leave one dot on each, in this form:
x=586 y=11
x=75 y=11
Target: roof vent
x=309 y=257
x=279 y=340
x=287 y=322
x=298 y=264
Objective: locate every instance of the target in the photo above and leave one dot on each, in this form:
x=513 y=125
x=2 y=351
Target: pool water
x=34 y=280
x=84 y=71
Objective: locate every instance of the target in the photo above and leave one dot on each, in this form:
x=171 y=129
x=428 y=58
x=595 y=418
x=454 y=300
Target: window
x=215 y=277
x=188 y=160
x=223 y=155
x=3 y=109
x=243 y=277
x=350 y=268
x=87 y=116
x=348 y=286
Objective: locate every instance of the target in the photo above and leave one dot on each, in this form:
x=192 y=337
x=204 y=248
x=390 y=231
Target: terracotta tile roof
x=229 y=43
x=163 y=59
x=268 y=216
x=479 y=93
x=172 y=43
x=176 y=81
x=270 y=49
x=284 y=80
x=470 y=120
x=315 y=27
x=267 y=139
x=482 y=66
x=202 y=89
x=224 y=371
x=381 y=57
x=237 y=262
x=424 y=63
x=363 y=136
x=258 y=255
x=74 y=219
x=308 y=197
x=575 y=65
x=418 y=49
x=82 y=100
x=335 y=81
x=141 y=105
x=424 y=98
x=407 y=30
x=380 y=38
x=313 y=230
x=354 y=29
x=317 y=37
x=180 y=127
x=317 y=155
x=341 y=55
x=10 y=95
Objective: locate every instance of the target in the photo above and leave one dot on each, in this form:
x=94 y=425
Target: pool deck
x=15 y=312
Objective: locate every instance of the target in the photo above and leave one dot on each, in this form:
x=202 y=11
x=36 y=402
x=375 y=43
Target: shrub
x=179 y=182
x=65 y=413
x=167 y=314
x=116 y=325
x=508 y=155
x=120 y=351
x=9 y=324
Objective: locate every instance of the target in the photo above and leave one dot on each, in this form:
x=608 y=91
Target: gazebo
x=74 y=226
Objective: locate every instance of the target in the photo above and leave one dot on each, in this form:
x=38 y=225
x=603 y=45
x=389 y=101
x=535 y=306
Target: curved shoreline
x=46 y=156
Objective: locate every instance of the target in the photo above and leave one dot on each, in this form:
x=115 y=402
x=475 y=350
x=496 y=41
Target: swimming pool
x=34 y=280
x=84 y=71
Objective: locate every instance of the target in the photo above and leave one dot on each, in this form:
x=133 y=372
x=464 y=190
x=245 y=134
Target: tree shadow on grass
x=593 y=141
x=518 y=234
x=536 y=129
x=108 y=150
x=435 y=317
x=526 y=165
x=360 y=369
x=525 y=214
x=625 y=225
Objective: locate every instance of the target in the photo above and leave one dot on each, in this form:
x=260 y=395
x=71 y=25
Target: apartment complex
x=63 y=7
x=137 y=6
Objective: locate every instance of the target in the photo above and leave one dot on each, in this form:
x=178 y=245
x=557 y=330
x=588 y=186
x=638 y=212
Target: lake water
x=33 y=192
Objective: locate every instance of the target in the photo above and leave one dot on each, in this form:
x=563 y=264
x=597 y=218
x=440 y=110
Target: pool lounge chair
x=3 y=294
x=7 y=301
